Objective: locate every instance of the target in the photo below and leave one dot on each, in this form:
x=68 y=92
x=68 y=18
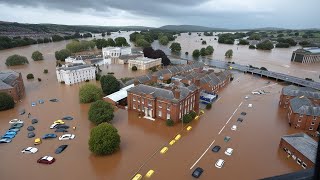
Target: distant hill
x=186 y=28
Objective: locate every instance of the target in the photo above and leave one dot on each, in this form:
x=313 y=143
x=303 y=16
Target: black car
x=31 y=135
x=34 y=121
x=67 y=118
x=22 y=112
x=61 y=148
x=54 y=100
x=243 y=113
x=61 y=126
x=61 y=130
x=216 y=149
x=197 y=172
x=239 y=120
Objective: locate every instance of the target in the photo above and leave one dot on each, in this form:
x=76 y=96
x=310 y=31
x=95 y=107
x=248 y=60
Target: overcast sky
x=156 y=13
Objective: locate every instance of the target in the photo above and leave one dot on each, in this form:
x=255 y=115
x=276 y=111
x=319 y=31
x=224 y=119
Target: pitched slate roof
x=301 y=91
x=72 y=68
x=7 y=79
x=303 y=105
x=304 y=144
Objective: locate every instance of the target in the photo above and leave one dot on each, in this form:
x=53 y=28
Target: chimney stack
x=135 y=82
x=154 y=78
x=176 y=93
x=197 y=82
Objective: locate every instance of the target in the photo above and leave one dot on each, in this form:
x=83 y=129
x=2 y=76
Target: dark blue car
x=47 y=136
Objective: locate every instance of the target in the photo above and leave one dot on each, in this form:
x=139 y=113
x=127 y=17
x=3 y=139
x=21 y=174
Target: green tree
x=254 y=36
x=109 y=84
x=62 y=54
x=108 y=33
x=103 y=34
x=30 y=76
x=57 y=38
x=203 y=51
x=189 y=33
x=89 y=93
x=110 y=42
x=175 y=47
x=196 y=53
x=229 y=53
x=163 y=40
x=208 y=106
x=104 y=139
x=169 y=122
x=100 y=43
x=187 y=118
x=16 y=60
x=252 y=47
x=143 y=43
x=6 y=101
x=100 y=111
x=45 y=71
x=78 y=46
x=243 y=42
x=265 y=45
x=209 y=50
x=121 y=41
x=193 y=114
x=134 y=68
x=37 y=56
x=186 y=53
x=204 y=42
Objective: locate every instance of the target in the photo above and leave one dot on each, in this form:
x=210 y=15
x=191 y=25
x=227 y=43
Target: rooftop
x=73 y=68
x=301 y=91
x=303 y=105
x=121 y=94
x=7 y=78
x=304 y=144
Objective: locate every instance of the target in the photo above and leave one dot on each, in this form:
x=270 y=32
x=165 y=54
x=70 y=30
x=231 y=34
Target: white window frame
x=310 y=128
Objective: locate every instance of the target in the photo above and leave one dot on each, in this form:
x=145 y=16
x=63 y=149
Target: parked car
x=47 y=136
x=58 y=122
x=46 y=160
x=31 y=135
x=34 y=121
x=37 y=141
x=13 y=121
x=216 y=149
x=197 y=172
x=255 y=92
x=229 y=151
x=14 y=129
x=33 y=104
x=61 y=148
x=239 y=120
x=41 y=101
x=243 y=113
x=30 y=128
x=60 y=126
x=5 y=140
x=16 y=125
x=8 y=136
x=30 y=150
x=67 y=137
x=67 y=118
x=227 y=138
x=54 y=100
x=61 y=130
x=234 y=127
x=11 y=133
x=53 y=126
x=22 y=112
x=219 y=163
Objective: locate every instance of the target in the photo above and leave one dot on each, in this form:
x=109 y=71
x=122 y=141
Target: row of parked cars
x=229 y=151
x=15 y=125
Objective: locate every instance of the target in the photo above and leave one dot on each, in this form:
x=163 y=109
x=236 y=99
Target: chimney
x=154 y=78
x=176 y=93
x=135 y=82
x=197 y=82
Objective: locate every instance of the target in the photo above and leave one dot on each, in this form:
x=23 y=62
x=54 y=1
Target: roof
x=7 y=79
x=72 y=68
x=121 y=94
x=301 y=91
x=304 y=144
x=303 y=105
x=129 y=56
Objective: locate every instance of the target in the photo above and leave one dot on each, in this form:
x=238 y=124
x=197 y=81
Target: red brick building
x=155 y=102
x=301 y=148
x=11 y=82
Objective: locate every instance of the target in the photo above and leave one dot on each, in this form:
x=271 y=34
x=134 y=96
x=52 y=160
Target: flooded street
x=255 y=143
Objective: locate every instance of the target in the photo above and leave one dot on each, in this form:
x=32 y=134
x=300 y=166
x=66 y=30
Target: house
x=11 y=82
x=306 y=55
x=292 y=91
x=301 y=148
x=112 y=54
x=144 y=63
x=75 y=73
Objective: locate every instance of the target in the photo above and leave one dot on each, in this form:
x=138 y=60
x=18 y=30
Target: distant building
x=74 y=60
x=86 y=59
x=306 y=55
x=124 y=59
x=301 y=148
x=111 y=54
x=144 y=63
x=11 y=82
x=75 y=74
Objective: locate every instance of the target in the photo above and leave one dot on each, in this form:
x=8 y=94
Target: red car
x=46 y=160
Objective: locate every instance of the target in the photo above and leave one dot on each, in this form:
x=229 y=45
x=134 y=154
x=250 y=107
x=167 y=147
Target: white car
x=13 y=121
x=247 y=97
x=219 y=163
x=234 y=127
x=229 y=151
x=255 y=92
x=53 y=125
x=30 y=150
x=250 y=105
x=67 y=137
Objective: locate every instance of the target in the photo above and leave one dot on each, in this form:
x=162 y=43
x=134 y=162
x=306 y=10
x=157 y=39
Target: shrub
x=243 y=42
x=169 y=122
x=104 y=139
x=208 y=106
x=37 y=56
x=62 y=54
x=204 y=42
x=100 y=111
x=252 y=47
x=16 y=60
x=45 y=71
x=110 y=72
x=187 y=118
x=186 y=53
x=39 y=79
x=134 y=68
x=89 y=93
x=6 y=101
x=229 y=53
x=282 y=45
x=265 y=45
x=98 y=76
x=196 y=53
x=30 y=76
x=193 y=114
x=87 y=80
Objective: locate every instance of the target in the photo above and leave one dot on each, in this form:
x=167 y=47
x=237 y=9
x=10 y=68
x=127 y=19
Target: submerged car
x=17 y=125
x=47 y=136
x=216 y=149
x=31 y=135
x=33 y=104
x=219 y=163
x=30 y=128
x=229 y=151
x=22 y=112
x=67 y=137
x=243 y=113
x=34 y=121
x=234 y=127
x=8 y=136
x=239 y=120
x=67 y=118
x=61 y=130
x=41 y=101
x=60 y=149
x=54 y=100
x=197 y=172
x=227 y=138
x=13 y=121
x=37 y=141
x=61 y=126
x=14 y=129
x=30 y=150
x=58 y=122
x=5 y=140
x=46 y=160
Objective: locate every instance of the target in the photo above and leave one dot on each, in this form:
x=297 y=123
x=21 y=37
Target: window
x=313 y=123
x=301 y=115
x=287 y=97
x=134 y=98
x=310 y=128
x=168 y=115
x=168 y=107
x=314 y=118
x=299 y=120
x=299 y=161
x=160 y=105
x=304 y=165
x=134 y=106
x=285 y=149
x=160 y=113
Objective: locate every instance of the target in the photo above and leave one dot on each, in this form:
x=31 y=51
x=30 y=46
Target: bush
x=30 y=76
x=187 y=118
x=62 y=82
x=109 y=84
x=62 y=54
x=175 y=47
x=204 y=42
x=6 y=101
x=252 y=47
x=169 y=122
x=104 y=139
x=100 y=111
x=282 y=45
x=193 y=114
x=186 y=53
x=209 y=50
x=229 y=53
x=110 y=72
x=203 y=51
x=39 y=79
x=89 y=93
x=196 y=53
x=134 y=68
x=208 y=106
x=37 y=56
x=243 y=42
x=16 y=60
x=265 y=45
x=45 y=71
x=98 y=76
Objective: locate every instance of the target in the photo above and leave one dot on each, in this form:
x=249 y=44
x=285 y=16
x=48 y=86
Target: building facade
x=306 y=55
x=301 y=148
x=144 y=63
x=11 y=82
x=75 y=74
x=111 y=54
x=163 y=104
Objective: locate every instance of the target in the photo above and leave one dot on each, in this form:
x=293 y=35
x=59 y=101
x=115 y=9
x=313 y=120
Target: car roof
x=49 y=158
x=220 y=161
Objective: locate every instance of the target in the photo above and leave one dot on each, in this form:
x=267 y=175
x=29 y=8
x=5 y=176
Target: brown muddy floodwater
x=255 y=142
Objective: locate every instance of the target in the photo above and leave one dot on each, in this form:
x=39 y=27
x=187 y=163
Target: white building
x=144 y=63
x=75 y=74
x=74 y=60
x=112 y=54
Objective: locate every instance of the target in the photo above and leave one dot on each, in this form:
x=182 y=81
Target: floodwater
x=255 y=142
